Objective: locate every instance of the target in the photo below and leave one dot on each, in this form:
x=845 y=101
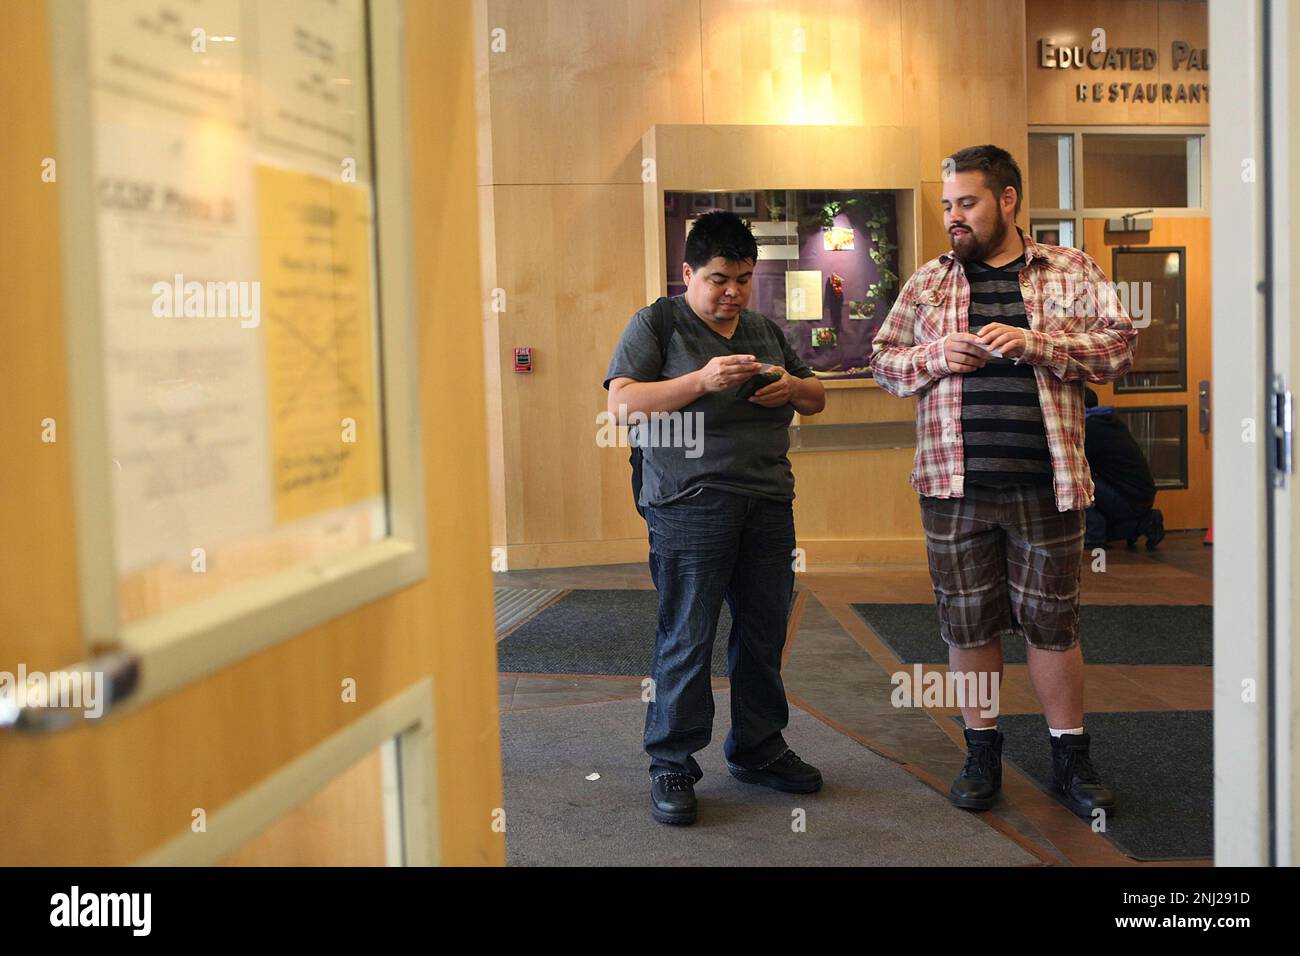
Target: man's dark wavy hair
x=720 y=234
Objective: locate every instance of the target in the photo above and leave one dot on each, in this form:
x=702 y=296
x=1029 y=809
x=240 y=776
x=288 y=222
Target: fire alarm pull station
x=523 y=360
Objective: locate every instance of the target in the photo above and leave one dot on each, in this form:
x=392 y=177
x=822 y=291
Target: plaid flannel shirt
x=1079 y=332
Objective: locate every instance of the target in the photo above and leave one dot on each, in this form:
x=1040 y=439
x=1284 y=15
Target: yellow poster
x=319 y=331
x=803 y=294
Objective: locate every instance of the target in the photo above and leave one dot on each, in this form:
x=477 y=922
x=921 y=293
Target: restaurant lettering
x=1182 y=56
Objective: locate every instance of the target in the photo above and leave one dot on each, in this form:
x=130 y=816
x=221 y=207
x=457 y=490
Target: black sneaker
x=786 y=773
x=977 y=786
x=1156 y=529
x=1075 y=780
x=672 y=798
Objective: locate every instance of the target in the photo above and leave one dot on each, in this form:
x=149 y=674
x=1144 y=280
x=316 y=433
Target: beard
x=972 y=247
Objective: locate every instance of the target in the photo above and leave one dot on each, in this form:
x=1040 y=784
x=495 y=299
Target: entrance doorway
x=1164 y=398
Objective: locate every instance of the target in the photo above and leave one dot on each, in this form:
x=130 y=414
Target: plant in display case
x=775 y=200
x=876 y=216
x=882 y=250
x=822 y=215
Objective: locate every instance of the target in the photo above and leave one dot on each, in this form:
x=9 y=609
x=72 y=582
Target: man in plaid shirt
x=997 y=340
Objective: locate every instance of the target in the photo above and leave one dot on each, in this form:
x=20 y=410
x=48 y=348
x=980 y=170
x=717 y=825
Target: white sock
x=1071 y=730
x=994 y=727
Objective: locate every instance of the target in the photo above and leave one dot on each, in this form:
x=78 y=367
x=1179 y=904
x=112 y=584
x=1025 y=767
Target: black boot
x=978 y=784
x=672 y=798
x=1155 y=529
x=1075 y=780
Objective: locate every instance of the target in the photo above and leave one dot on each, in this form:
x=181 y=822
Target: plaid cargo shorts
x=1005 y=561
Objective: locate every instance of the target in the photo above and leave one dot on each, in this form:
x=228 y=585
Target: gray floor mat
x=871 y=811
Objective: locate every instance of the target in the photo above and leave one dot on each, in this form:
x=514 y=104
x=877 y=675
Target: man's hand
x=727 y=371
x=962 y=353
x=778 y=393
x=1007 y=339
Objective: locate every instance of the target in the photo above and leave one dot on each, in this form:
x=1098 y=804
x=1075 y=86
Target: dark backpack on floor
x=665 y=327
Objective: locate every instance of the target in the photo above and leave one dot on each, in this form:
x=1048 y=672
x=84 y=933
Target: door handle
x=59 y=699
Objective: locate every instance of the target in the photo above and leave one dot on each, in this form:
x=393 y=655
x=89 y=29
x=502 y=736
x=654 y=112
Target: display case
x=834 y=211
x=827 y=269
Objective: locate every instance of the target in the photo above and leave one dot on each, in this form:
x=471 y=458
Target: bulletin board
x=231 y=170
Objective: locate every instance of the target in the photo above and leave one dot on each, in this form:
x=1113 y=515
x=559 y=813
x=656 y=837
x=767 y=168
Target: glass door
x=1156 y=284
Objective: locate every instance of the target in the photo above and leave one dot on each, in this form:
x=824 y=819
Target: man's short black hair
x=998 y=166
x=1089 y=397
x=720 y=234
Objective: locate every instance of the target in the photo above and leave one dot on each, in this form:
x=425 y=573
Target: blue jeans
x=707 y=547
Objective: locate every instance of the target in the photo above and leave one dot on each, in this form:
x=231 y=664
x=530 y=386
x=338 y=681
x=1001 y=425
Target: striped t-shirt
x=1001 y=418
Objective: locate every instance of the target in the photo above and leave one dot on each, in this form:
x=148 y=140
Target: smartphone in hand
x=758 y=380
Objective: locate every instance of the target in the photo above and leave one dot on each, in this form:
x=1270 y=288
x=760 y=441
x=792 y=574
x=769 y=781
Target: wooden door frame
x=1245 y=832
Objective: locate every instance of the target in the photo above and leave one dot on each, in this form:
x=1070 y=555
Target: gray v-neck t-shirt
x=719 y=440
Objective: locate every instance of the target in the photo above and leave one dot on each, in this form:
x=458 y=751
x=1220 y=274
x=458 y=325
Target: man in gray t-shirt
x=727 y=443
x=717 y=494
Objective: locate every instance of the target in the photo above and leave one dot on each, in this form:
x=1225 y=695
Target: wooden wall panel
x=581 y=80
x=737 y=155
x=934 y=234
x=965 y=77
x=964 y=72
x=569 y=258
x=855 y=495
x=871 y=403
x=802 y=61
